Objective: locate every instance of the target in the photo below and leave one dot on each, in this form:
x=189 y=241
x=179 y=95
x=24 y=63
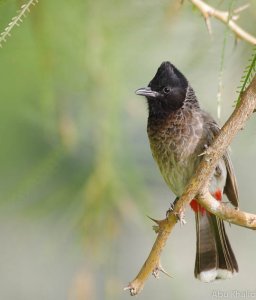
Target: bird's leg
x=172 y=204
x=179 y=215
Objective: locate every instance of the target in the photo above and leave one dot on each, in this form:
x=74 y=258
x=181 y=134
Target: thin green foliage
x=248 y=75
x=223 y=50
x=16 y=20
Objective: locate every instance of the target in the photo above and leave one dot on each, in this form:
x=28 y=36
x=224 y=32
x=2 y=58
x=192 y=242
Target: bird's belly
x=176 y=168
x=176 y=155
x=177 y=175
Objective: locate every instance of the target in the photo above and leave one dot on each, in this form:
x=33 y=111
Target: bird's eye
x=166 y=90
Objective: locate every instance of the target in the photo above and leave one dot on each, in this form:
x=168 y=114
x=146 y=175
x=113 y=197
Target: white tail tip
x=214 y=274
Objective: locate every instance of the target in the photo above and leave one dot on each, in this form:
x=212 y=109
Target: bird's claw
x=205 y=150
x=179 y=215
x=170 y=210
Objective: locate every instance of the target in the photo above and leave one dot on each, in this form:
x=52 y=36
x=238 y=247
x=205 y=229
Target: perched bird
x=179 y=131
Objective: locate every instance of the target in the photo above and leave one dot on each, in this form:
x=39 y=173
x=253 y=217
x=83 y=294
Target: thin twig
x=220 y=79
x=209 y=11
x=227 y=213
x=16 y=20
x=197 y=188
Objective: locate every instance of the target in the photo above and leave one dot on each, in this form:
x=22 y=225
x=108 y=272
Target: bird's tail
x=214 y=256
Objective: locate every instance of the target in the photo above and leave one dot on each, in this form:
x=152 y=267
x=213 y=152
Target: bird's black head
x=166 y=92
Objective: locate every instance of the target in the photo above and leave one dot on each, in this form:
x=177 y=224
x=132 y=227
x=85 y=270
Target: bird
x=179 y=131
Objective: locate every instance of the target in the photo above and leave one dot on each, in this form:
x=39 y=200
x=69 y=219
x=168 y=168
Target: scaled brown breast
x=175 y=144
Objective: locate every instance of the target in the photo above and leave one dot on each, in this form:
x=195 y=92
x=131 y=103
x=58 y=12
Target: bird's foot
x=170 y=210
x=204 y=150
x=179 y=215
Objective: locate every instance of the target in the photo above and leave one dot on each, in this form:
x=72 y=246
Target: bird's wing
x=230 y=189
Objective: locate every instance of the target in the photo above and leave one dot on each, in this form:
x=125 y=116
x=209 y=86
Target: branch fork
x=225 y=17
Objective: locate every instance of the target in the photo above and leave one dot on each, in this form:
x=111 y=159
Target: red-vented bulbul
x=179 y=131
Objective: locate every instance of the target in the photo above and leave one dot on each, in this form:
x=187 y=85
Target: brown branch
x=152 y=263
x=209 y=11
x=197 y=188
x=225 y=212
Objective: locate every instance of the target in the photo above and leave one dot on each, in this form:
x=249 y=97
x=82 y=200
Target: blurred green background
x=77 y=176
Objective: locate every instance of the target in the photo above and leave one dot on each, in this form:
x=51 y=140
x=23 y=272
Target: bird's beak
x=147 y=92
